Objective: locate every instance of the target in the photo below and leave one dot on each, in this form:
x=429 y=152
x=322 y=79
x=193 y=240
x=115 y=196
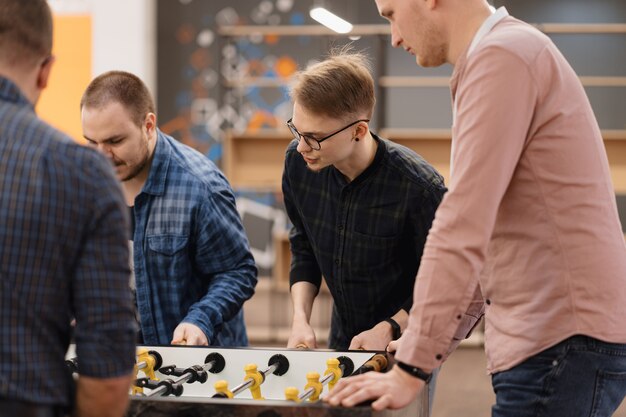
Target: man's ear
x=361 y=130
x=150 y=123
x=44 y=72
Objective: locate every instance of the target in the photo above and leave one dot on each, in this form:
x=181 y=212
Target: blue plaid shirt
x=63 y=254
x=191 y=254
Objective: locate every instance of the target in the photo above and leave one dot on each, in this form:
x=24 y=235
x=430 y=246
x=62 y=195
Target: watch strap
x=415 y=371
x=396 y=332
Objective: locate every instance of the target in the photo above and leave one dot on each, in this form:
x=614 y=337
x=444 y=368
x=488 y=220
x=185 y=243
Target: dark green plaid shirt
x=365 y=237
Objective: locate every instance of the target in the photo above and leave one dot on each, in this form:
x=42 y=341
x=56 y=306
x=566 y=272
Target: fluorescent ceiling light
x=330 y=20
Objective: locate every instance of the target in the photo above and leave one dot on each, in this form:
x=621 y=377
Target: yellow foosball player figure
x=277 y=365
x=314 y=386
x=252 y=374
x=221 y=389
x=336 y=369
x=148 y=362
x=291 y=394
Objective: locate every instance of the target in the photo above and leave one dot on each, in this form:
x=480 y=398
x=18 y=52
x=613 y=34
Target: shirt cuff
x=420 y=351
x=299 y=274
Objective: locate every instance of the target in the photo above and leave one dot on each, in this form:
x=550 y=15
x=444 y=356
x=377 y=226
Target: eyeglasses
x=316 y=144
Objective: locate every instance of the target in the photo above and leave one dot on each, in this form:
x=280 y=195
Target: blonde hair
x=341 y=86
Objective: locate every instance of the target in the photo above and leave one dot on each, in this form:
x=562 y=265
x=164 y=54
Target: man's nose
x=105 y=149
x=396 y=39
x=302 y=145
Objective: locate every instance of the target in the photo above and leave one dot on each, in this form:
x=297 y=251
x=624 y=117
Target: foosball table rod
x=336 y=369
x=277 y=365
x=214 y=363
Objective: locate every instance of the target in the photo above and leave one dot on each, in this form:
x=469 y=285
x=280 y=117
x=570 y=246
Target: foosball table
x=244 y=382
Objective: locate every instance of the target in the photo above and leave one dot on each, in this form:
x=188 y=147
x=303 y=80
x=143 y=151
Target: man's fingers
x=388 y=390
x=196 y=338
x=355 y=344
x=178 y=338
x=334 y=396
x=361 y=392
x=382 y=403
x=344 y=391
x=189 y=334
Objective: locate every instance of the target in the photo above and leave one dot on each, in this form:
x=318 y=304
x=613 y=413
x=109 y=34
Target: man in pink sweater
x=530 y=217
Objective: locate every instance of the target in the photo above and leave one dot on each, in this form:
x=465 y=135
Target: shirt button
x=337 y=262
x=488 y=301
x=341 y=227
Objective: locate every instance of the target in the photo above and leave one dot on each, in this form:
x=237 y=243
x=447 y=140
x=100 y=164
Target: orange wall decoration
x=71 y=73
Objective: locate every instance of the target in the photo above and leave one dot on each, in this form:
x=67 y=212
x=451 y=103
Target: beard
x=138 y=167
x=135 y=170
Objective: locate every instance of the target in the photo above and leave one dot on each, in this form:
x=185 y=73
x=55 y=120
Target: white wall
x=124 y=35
x=124 y=38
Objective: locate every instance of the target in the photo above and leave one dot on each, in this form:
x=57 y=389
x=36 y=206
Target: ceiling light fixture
x=330 y=20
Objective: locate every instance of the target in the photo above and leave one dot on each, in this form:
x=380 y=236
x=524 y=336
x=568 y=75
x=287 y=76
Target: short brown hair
x=25 y=31
x=341 y=86
x=121 y=87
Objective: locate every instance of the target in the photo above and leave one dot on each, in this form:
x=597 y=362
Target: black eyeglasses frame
x=316 y=144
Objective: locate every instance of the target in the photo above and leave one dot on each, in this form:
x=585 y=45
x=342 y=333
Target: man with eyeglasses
x=361 y=209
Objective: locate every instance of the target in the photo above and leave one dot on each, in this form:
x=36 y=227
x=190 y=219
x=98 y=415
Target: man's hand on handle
x=302 y=334
x=394 y=389
x=376 y=338
x=189 y=334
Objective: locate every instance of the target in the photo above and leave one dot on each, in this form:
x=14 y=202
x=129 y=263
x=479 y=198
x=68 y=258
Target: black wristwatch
x=396 y=332
x=415 y=372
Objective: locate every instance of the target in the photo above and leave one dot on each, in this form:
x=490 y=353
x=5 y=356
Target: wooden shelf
x=398 y=81
x=434 y=146
x=431 y=144
x=384 y=29
x=301 y=30
x=254 y=160
x=578 y=28
x=390 y=81
x=411 y=134
x=264 y=82
x=282 y=265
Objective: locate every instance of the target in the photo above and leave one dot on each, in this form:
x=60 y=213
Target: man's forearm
x=106 y=397
x=232 y=288
x=302 y=296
